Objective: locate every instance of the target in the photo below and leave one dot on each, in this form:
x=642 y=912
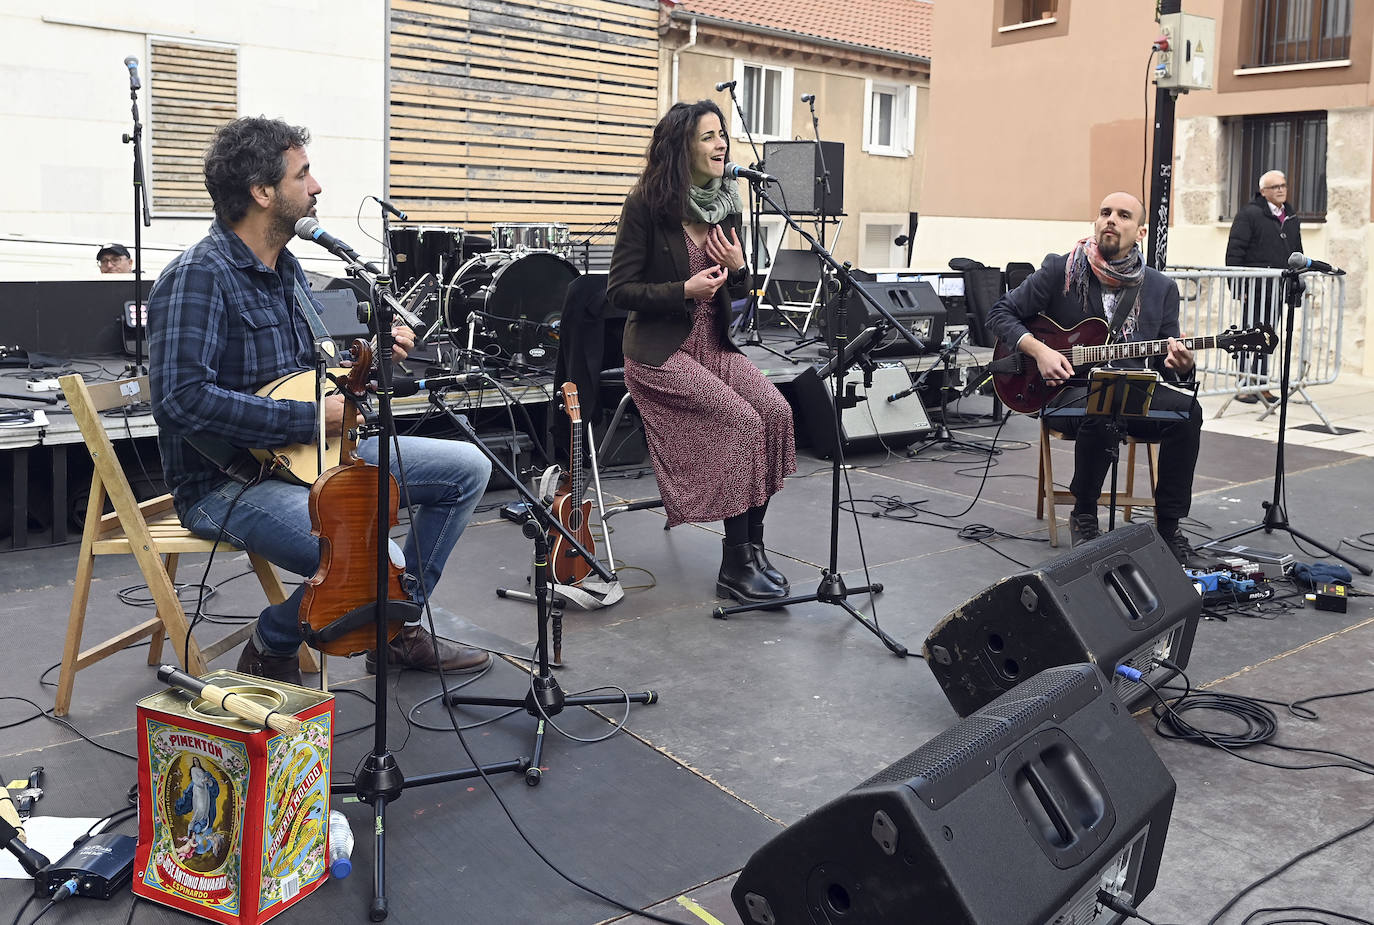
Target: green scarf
x=712 y=202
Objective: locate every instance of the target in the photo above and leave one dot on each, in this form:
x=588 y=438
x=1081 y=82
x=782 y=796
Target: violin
x=572 y=511
x=338 y=612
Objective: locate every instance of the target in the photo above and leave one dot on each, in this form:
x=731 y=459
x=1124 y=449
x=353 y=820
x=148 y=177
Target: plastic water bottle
x=340 y=845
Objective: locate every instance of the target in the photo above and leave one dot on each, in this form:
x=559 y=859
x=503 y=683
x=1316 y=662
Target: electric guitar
x=1016 y=377
x=572 y=511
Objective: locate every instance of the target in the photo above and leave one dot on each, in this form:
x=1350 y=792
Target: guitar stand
x=545 y=698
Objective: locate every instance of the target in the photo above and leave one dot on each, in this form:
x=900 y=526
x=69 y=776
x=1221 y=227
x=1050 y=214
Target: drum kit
x=498 y=298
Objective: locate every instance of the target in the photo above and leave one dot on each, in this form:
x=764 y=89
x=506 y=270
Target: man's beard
x=1110 y=250
x=284 y=220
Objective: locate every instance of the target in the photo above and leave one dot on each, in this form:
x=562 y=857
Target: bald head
x=1119 y=224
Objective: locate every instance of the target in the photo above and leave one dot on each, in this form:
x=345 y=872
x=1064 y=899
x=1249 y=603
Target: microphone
x=725 y=85
x=388 y=207
x=1298 y=262
x=309 y=229
x=808 y=97
x=405 y=386
x=744 y=173
x=132 y=64
x=13 y=840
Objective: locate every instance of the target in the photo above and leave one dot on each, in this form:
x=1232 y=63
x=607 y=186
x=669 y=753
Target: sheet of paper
x=50 y=835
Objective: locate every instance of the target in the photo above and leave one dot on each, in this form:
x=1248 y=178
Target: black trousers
x=1175 y=421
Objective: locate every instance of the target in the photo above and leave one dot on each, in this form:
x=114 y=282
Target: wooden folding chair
x=1049 y=497
x=151 y=533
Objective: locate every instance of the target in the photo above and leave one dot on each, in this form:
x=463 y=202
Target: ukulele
x=572 y=511
x=1016 y=378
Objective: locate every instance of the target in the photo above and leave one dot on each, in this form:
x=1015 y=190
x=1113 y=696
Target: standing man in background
x=1265 y=232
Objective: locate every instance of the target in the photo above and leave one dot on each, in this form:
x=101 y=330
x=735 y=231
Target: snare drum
x=518 y=295
x=424 y=249
x=531 y=236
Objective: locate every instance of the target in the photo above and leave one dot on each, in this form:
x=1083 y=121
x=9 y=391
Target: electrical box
x=1190 y=62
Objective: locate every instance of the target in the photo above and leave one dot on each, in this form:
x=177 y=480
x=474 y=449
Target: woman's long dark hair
x=668 y=169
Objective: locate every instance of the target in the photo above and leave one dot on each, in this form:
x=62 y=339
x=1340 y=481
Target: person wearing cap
x=114 y=258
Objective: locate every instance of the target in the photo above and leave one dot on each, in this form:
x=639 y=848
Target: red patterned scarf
x=1114 y=274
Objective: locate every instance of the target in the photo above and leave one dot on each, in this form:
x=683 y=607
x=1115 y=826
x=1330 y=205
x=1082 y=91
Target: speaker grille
x=959 y=749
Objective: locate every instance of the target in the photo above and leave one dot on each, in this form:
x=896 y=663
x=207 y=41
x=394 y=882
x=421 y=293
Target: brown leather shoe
x=415 y=648
x=286 y=668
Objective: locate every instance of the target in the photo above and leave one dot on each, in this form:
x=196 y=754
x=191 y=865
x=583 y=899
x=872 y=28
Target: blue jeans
x=444 y=480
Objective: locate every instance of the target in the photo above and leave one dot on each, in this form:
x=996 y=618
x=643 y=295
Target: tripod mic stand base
x=831 y=590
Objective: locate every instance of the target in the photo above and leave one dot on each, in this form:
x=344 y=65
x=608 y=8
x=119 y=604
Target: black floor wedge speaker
x=1121 y=599
x=1016 y=815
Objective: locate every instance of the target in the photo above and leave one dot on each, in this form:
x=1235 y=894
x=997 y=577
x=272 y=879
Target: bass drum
x=518 y=297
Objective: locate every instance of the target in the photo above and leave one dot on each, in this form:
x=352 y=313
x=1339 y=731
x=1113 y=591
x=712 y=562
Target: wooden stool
x=1049 y=497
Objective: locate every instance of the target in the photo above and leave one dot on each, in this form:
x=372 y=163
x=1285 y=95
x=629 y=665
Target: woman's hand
x=703 y=285
x=725 y=251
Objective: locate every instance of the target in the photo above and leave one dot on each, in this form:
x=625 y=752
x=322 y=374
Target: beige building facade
x=1039 y=108
x=875 y=101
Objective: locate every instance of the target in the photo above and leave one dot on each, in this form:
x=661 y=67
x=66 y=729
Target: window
x=192 y=90
x=878 y=249
x=1015 y=12
x=766 y=97
x=1292 y=142
x=889 y=118
x=1299 y=32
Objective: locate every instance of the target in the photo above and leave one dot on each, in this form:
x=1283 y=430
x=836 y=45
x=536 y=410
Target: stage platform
x=764 y=717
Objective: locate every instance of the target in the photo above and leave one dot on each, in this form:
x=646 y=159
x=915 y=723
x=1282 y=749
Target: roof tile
x=902 y=26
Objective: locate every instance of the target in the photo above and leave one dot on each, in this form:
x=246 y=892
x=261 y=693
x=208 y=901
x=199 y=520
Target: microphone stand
x=824 y=181
x=945 y=358
x=832 y=589
x=749 y=320
x=545 y=698
x=1275 y=516
x=379 y=780
x=142 y=217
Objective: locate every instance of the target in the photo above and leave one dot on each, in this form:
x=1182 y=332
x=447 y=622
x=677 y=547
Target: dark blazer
x=1258 y=240
x=1043 y=294
x=649 y=270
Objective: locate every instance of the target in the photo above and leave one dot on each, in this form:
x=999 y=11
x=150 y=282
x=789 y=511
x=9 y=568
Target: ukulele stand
x=379 y=780
x=546 y=698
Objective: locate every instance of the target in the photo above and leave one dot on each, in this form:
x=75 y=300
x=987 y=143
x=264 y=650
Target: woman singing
x=719 y=433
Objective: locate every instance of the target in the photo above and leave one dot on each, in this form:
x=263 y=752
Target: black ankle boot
x=766 y=567
x=741 y=579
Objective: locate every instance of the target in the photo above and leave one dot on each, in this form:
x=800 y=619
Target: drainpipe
x=691 y=40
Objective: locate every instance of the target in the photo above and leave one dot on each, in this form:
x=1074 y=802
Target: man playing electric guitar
x=1105 y=274
x=233 y=313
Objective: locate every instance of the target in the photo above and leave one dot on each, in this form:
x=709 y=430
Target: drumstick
x=232 y=701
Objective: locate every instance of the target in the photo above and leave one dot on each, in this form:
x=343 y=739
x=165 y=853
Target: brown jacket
x=649 y=269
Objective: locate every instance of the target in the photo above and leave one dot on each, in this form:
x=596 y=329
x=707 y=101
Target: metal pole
x=1161 y=180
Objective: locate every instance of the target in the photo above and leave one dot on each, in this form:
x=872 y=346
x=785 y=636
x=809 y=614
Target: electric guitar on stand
x=1016 y=378
x=569 y=506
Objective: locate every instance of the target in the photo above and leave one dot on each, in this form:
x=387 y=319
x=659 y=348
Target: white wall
x=66 y=105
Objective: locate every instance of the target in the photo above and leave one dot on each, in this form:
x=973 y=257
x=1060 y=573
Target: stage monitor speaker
x=871 y=423
x=913 y=302
x=798 y=167
x=1017 y=815
x=1120 y=599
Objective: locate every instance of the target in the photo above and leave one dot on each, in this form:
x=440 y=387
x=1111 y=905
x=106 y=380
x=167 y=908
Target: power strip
x=42 y=385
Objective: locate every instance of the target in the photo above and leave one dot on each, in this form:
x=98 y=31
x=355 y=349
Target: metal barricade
x=1213 y=299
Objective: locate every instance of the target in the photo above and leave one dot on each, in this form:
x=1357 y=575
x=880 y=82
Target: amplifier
x=913 y=303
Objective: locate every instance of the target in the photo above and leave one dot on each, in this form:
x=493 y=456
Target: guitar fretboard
x=1083 y=355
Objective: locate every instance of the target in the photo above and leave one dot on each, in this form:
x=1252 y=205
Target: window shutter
x=193 y=90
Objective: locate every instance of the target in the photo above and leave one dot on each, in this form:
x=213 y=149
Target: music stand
x=1118 y=394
